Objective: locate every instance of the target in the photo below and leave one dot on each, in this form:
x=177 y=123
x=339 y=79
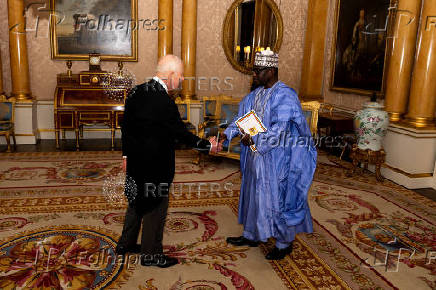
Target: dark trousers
x=153 y=222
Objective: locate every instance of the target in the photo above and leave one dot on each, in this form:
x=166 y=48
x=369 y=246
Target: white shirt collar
x=162 y=83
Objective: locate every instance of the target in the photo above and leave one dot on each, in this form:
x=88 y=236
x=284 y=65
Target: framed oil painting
x=359 y=48
x=106 y=27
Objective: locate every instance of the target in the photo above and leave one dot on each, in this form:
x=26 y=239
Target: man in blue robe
x=277 y=176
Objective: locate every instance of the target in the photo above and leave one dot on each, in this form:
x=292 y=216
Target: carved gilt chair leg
x=57 y=138
x=77 y=139
x=13 y=138
x=113 y=138
x=8 y=141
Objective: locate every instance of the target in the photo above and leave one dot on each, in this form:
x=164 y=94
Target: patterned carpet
x=62 y=213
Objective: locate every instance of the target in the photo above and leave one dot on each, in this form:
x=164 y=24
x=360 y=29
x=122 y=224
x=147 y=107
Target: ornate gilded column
x=314 y=47
x=165 y=37
x=189 y=46
x=402 y=51
x=18 y=52
x=422 y=101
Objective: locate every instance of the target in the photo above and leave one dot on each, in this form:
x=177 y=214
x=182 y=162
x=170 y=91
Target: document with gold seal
x=250 y=123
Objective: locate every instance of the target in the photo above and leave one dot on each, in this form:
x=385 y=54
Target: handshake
x=217 y=145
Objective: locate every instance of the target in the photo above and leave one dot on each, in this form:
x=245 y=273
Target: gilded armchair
x=7 y=116
x=211 y=115
x=184 y=107
x=227 y=113
x=219 y=112
x=311 y=112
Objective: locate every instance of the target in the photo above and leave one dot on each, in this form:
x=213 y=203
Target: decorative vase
x=371 y=124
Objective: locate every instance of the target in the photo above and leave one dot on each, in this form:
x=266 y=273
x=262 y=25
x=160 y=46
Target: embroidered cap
x=266 y=58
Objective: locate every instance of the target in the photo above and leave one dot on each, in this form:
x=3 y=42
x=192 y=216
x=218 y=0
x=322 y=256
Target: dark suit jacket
x=150 y=128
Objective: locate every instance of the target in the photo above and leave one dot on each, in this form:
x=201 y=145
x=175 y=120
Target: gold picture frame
x=355 y=82
x=73 y=38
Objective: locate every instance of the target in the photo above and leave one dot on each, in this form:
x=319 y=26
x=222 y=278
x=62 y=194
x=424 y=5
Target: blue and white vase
x=371 y=124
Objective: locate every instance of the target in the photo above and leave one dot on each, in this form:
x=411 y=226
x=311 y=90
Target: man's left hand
x=246 y=139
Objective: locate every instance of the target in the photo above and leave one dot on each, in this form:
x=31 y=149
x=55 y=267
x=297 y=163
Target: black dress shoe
x=241 y=241
x=121 y=250
x=161 y=261
x=278 y=254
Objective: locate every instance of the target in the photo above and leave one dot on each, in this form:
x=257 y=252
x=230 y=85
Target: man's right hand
x=223 y=139
x=215 y=146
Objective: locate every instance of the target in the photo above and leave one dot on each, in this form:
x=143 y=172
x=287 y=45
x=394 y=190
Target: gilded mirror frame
x=226 y=38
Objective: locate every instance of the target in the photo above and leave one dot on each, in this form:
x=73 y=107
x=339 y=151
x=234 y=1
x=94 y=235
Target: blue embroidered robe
x=276 y=179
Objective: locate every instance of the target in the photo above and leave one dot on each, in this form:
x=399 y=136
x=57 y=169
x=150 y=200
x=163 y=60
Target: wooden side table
x=367 y=157
x=334 y=125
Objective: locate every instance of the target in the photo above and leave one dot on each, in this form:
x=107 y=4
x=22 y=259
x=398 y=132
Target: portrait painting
x=105 y=27
x=359 y=49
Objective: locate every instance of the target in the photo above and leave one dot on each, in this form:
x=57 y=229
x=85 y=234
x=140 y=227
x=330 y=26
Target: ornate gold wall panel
x=314 y=50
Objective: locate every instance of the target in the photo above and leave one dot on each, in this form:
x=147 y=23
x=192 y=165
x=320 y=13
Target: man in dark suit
x=150 y=127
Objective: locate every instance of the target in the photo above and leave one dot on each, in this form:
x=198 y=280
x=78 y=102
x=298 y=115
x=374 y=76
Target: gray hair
x=169 y=63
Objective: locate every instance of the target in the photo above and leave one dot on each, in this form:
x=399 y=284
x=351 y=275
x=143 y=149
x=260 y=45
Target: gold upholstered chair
x=311 y=112
x=228 y=110
x=219 y=112
x=211 y=115
x=184 y=107
x=7 y=115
